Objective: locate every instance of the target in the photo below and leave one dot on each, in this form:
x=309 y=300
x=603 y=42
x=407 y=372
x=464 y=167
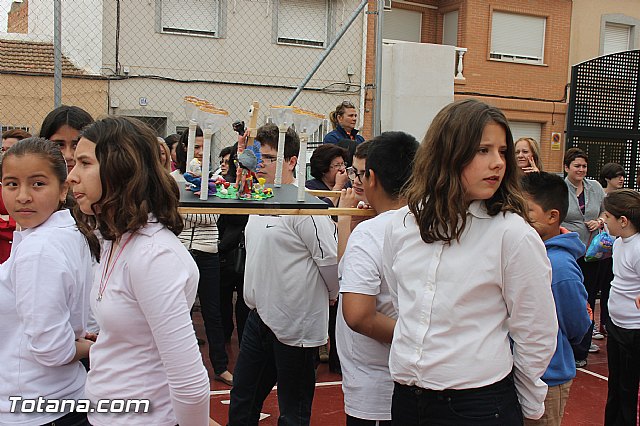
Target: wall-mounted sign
x=556 y=141
x=143 y=101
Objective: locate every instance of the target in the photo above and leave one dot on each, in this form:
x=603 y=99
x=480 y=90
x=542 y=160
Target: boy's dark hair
x=390 y=156
x=362 y=150
x=322 y=157
x=548 y=190
x=269 y=134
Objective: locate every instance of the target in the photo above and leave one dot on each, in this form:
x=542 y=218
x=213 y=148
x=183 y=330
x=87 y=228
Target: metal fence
x=140 y=58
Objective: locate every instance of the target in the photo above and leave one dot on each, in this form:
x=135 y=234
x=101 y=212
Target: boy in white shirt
x=290 y=276
x=366 y=316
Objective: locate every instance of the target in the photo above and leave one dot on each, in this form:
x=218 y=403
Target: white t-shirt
x=44 y=304
x=282 y=280
x=626 y=283
x=147 y=346
x=460 y=303
x=366 y=381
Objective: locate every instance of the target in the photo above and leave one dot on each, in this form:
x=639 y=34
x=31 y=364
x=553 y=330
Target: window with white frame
x=617 y=38
x=303 y=22
x=198 y=17
x=517 y=38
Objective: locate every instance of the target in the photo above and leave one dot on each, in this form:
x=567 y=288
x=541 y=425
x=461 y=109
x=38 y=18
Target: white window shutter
x=616 y=38
x=401 y=24
x=303 y=20
x=518 y=36
x=524 y=129
x=199 y=16
x=450 y=28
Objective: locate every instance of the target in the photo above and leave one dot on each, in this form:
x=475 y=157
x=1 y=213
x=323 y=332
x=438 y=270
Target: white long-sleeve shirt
x=284 y=278
x=147 y=346
x=44 y=304
x=459 y=303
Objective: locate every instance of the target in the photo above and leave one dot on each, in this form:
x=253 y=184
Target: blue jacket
x=571 y=304
x=339 y=133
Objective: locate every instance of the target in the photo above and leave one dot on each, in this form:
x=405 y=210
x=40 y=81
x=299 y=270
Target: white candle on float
x=280 y=156
x=191 y=141
x=206 y=161
x=302 y=164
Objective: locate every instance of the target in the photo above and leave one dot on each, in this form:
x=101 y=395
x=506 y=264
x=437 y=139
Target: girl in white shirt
x=44 y=291
x=146 y=282
x=476 y=324
x=622 y=216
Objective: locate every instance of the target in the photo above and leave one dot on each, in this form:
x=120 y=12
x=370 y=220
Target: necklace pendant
x=99 y=298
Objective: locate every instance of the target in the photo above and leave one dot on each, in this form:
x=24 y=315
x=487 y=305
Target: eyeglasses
x=338 y=166
x=353 y=173
x=268 y=159
x=347 y=104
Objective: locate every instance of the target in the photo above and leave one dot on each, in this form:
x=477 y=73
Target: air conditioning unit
x=387 y=4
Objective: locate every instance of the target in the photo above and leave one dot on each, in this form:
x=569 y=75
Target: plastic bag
x=600 y=247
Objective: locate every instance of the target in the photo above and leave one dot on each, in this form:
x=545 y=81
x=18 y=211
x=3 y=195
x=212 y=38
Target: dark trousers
x=71 y=419
x=493 y=405
x=623 y=356
x=231 y=281
x=581 y=350
x=264 y=361
x=209 y=295
x=354 y=421
x=591 y=281
x=334 y=360
x=605 y=276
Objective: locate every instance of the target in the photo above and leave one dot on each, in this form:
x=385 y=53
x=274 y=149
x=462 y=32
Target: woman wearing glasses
x=344 y=120
x=328 y=169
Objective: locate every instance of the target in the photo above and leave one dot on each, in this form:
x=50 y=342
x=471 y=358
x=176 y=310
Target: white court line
x=599 y=376
x=318 y=385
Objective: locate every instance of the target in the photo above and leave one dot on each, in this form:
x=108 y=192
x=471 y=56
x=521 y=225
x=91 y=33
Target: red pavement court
x=585 y=407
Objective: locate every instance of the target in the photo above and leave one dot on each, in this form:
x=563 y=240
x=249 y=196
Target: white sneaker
x=597 y=335
x=594 y=348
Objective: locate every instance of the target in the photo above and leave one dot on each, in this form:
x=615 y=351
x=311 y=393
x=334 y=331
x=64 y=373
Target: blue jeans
x=264 y=361
x=492 y=405
x=209 y=295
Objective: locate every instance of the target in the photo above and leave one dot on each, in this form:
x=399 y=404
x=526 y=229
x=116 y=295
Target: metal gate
x=604 y=112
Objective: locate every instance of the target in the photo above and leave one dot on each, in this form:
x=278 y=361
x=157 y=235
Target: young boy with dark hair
x=366 y=316
x=547 y=198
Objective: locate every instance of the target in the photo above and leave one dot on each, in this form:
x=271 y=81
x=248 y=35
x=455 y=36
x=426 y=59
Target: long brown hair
x=50 y=152
x=134 y=183
x=435 y=191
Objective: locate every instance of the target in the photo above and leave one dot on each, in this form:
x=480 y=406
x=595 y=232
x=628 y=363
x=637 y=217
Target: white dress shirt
x=460 y=303
x=44 y=304
x=147 y=345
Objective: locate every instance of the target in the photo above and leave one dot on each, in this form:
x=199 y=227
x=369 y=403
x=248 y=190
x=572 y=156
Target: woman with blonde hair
x=344 y=119
x=528 y=155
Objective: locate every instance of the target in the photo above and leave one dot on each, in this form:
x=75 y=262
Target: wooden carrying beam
x=334 y=211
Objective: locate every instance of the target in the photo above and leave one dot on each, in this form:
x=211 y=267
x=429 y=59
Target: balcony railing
x=460 y=51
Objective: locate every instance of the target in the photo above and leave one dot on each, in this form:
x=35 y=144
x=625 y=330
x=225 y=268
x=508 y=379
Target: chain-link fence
x=140 y=58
